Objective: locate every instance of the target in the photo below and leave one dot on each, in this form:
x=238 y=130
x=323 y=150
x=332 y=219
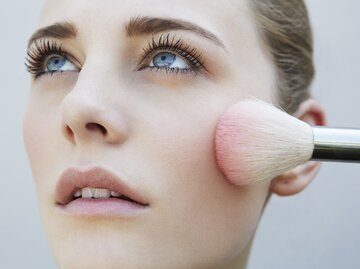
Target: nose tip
x=85 y=121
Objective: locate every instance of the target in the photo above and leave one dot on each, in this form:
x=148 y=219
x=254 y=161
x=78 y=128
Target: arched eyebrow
x=139 y=25
x=59 y=30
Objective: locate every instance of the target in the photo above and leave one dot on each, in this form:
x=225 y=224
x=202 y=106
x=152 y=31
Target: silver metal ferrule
x=336 y=144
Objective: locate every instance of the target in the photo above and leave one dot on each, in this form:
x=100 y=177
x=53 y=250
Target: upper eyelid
x=35 y=48
x=69 y=56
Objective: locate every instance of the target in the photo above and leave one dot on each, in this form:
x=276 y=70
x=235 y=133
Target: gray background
x=317 y=229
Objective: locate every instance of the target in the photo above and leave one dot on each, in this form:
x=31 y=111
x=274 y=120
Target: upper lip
x=75 y=178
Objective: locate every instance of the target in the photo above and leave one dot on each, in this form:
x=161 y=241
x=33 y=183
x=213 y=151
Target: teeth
x=77 y=194
x=102 y=193
x=89 y=192
x=115 y=194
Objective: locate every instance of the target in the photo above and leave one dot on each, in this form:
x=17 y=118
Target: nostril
x=69 y=133
x=93 y=126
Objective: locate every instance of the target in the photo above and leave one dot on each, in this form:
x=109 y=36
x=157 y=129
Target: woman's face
x=151 y=126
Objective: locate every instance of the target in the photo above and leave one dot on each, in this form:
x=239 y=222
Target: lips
x=73 y=180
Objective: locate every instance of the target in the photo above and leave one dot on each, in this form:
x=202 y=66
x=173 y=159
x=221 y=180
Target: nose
x=90 y=115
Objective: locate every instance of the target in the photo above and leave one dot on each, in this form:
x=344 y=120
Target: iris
x=55 y=63
x=164 y=59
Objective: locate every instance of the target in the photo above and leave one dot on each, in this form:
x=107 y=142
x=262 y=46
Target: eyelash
x=164 y=43
x=36 y=56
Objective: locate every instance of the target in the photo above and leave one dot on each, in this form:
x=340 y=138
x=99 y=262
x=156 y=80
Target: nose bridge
x=90 y=110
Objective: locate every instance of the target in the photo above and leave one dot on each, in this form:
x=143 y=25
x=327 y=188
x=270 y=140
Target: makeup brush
x=256 y=141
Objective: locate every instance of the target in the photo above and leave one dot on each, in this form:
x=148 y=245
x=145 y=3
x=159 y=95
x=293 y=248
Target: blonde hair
x=285 y=27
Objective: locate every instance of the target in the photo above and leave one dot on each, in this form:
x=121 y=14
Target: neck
x=241 y=261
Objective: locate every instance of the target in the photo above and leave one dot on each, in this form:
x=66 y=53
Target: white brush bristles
x=257 y=141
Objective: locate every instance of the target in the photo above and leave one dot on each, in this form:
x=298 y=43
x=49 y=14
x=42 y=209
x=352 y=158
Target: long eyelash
x=164 y=42
x=38 y=53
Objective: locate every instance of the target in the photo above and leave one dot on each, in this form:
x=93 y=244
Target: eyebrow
x=152 y=25
x=139 y=25
x=59 y=30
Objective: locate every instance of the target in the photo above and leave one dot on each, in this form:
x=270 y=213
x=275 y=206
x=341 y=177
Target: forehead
x=110 y=9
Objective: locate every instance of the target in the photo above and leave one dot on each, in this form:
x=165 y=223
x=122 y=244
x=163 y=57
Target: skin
x=160 y=137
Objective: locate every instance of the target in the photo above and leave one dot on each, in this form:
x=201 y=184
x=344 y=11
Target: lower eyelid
x=64 y=75
x=167 y=72
x=192 y=69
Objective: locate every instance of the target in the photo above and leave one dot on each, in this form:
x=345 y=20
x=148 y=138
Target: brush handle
x=336 y=144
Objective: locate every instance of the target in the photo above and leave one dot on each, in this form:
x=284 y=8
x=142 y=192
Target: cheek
x=32 y=137
x=194 y=197
x=41 y=128
x=39 y=144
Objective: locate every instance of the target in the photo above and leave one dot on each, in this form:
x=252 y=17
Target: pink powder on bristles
x=255 y=141
x=230 y=143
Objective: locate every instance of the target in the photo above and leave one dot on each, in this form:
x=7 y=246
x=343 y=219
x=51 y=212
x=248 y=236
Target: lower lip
x=104 y=207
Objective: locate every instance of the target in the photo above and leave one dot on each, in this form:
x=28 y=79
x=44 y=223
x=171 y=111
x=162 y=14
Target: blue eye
x=55 y=63
x=171 y=55
x=59 y=63
x=168 y=60
x=164 y=59
x=48 y=57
